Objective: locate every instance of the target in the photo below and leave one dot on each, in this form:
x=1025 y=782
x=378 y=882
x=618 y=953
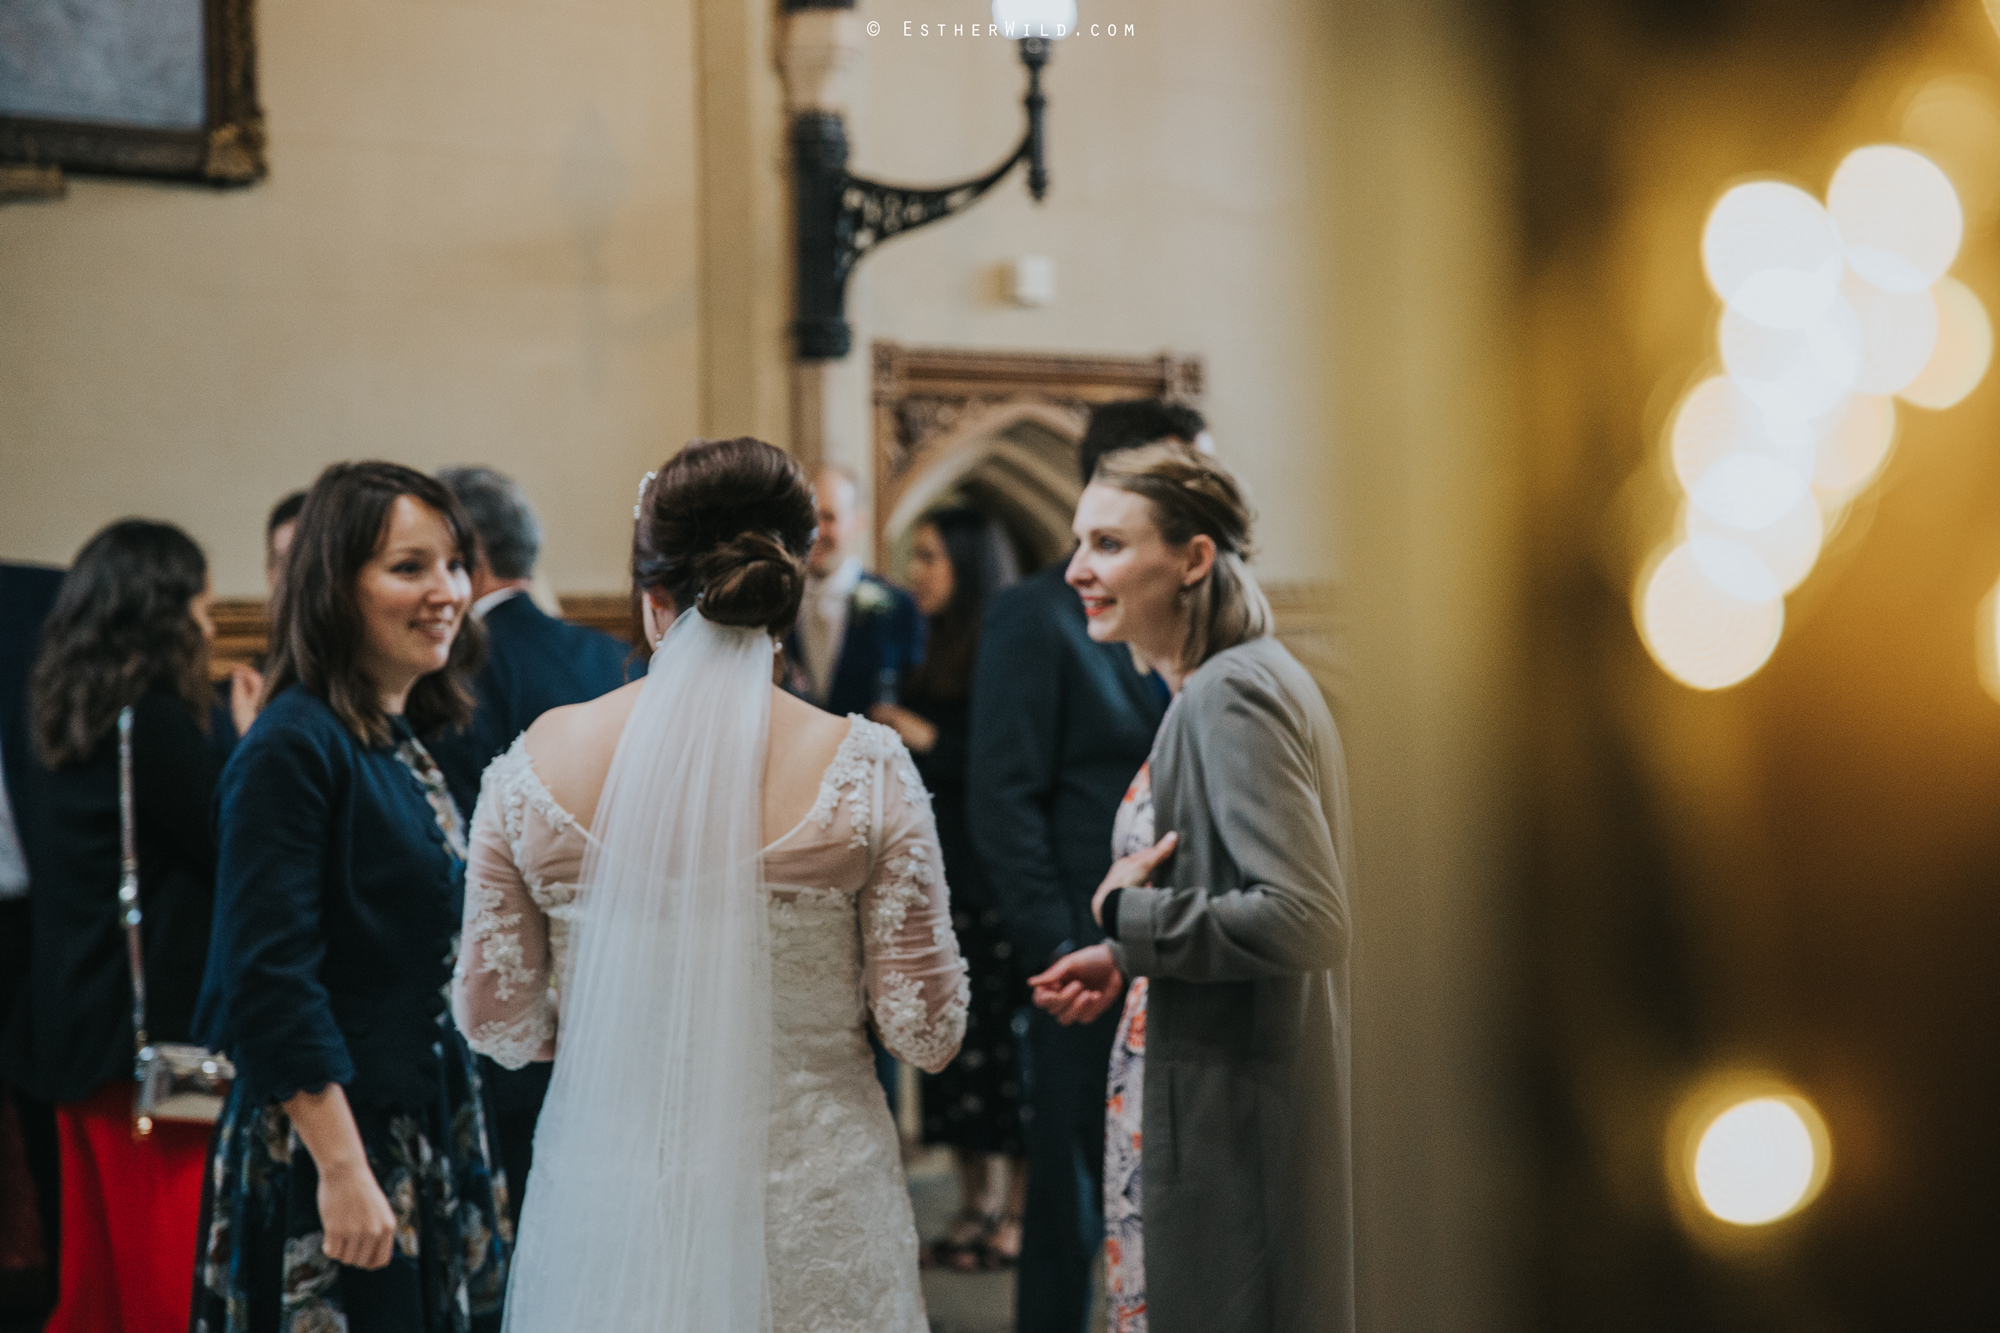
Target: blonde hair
x=1192 y=496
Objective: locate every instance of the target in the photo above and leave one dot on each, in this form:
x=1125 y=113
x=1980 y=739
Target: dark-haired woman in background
x=351 y=1185
x=130 y=627
x=959 y=557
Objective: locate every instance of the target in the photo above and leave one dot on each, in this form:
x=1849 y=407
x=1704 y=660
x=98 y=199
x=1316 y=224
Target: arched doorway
x=999 y=431
x=1017 y=462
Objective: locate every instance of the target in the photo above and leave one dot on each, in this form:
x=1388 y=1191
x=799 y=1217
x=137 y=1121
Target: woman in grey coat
x=1234 y=928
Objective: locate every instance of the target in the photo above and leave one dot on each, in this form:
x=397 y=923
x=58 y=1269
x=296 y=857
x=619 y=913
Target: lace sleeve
x=500 y=988
x=916 y=981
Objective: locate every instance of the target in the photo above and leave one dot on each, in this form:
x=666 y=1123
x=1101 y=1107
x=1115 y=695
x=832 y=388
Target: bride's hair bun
x=724 y=529
x=750 y=580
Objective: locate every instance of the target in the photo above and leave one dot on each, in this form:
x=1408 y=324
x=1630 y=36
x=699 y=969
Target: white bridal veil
x=647 y=1213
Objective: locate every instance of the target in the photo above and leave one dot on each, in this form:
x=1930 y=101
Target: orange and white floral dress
x=1124 y=1241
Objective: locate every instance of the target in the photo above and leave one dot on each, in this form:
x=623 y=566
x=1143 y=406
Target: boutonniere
x=872 y=598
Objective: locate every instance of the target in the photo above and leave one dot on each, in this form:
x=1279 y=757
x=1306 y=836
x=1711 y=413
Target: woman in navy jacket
x=351 y=1184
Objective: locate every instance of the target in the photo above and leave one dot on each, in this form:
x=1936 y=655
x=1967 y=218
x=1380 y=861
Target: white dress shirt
x=823 y=624
x=493 y=599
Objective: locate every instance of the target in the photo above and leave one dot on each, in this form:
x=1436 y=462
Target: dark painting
x=137 y=87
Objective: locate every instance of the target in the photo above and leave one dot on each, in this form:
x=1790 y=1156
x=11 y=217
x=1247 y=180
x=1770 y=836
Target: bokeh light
x=1795 y=374
x=1771 y=253
x=1759 y=565
x=1749 y=491
x=1829 y=313
x=1700 y=635
x=1964 y=349
x=1854 y=443
x=1898 y=334
x=1987 y=645
x=1760 y=1160
x=1898 y=218
x=1718 y=419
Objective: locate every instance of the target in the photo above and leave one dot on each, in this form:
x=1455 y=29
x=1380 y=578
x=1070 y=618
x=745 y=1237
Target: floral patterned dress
x=1124 y=1241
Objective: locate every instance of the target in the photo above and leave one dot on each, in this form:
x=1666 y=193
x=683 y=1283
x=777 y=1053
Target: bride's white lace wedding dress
x=860 y=928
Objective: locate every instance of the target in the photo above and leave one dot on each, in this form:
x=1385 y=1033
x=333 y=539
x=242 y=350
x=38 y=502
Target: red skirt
x=129 y=1216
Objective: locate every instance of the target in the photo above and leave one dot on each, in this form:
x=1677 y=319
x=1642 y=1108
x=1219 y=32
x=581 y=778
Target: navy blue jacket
x=27 y=592
x=1060 y=726
x=534 y=662
x=884 y=639
x=336 y=903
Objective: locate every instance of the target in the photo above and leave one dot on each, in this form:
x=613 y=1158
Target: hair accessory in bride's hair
x=639 y=505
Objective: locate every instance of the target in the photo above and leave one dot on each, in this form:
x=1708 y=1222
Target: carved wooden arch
x=1037 y=488
x=942 y=408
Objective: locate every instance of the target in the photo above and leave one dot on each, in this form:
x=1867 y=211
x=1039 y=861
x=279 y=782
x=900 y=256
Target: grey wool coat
x=1247 y=1198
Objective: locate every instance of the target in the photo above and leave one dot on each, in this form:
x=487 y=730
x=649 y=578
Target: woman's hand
x=919 y=735
x=1080 y=986
x=358 y=1227
x=245 y=688
x=1131 y=872
x=354 y=1214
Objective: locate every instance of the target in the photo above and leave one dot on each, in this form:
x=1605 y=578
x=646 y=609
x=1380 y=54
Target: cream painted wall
x=477 y=243
x=1180 y=216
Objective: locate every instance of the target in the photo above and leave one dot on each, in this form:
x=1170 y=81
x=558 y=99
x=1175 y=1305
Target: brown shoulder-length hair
x=316 y=626
x=1193 y=495
x=122 y=624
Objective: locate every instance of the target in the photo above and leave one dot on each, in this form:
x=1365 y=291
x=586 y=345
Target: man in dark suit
x=534 y=662
x=858 y=636
x=27 y=592
x=1060 y=726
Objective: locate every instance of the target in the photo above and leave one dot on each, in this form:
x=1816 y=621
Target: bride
x=694 y=895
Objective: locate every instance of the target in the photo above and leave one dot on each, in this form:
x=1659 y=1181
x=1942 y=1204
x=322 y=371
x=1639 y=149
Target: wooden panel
x=242 y=634
x=1310 y=623
x=614 y=613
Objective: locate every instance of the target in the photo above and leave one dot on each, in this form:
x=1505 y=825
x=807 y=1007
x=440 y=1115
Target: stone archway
x=999 y=429
x=1017 y=461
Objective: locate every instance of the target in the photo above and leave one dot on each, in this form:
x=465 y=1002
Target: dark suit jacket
x=887 y=638
x=26 y=594
x=336 y=903
x=70 y=1031
x=943 y=770
x=534 y=662
x=1060 y=726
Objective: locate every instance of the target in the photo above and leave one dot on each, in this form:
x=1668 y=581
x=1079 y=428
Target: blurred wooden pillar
x=1414 y=159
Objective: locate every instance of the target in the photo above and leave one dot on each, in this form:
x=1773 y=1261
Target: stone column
x=745 y=276
x=816 y=58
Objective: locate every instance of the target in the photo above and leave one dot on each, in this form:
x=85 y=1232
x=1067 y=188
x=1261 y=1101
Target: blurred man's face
x=841 y=520
x=275 y=552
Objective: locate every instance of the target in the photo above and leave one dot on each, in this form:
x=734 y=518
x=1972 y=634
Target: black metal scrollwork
x=841 y=217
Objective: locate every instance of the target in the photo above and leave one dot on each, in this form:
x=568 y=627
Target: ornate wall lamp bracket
x=841 y=217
